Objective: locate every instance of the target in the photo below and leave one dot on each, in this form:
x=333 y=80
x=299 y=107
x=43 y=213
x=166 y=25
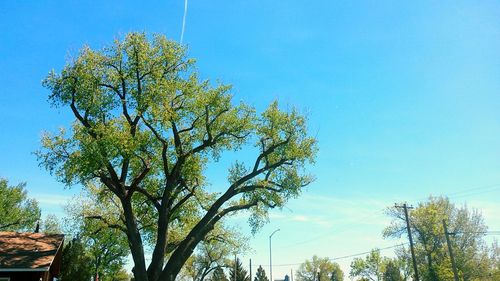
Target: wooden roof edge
x=57 y=251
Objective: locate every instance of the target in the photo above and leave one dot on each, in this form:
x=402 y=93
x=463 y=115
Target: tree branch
x=107 y=223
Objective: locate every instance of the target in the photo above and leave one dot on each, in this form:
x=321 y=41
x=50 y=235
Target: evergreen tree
x=219 y=275
x=241 y=273
x=260 y=275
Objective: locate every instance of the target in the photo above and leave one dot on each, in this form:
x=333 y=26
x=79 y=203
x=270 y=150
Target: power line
x=467 y=190
x=342 y=257
x=377 y=249
x=476 y=232
x=364 y=253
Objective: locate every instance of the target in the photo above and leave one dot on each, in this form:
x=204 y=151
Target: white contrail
x=184 y=19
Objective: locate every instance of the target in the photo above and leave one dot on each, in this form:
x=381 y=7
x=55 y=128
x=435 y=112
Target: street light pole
x=270 y=255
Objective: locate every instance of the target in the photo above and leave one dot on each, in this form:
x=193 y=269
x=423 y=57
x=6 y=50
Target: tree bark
x=135 y=241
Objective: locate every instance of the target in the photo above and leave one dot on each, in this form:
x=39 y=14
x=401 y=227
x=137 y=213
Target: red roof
x=31 y=251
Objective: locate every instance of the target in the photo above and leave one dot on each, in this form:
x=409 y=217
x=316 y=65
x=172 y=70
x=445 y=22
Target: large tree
x=327 y=270
x=466 y=228
x=18 y=212
x=146 y=128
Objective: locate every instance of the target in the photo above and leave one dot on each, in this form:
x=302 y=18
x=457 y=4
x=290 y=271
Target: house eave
x=41 y=269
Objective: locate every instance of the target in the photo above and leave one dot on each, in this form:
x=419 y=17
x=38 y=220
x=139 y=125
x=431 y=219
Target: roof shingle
x=28 y=250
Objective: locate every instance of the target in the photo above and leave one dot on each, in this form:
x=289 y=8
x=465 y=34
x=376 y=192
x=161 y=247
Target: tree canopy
x=328 y=270
x=19 y=213
x=392 y=272
x=51 y=225
x=147 y=127
x=371 y=267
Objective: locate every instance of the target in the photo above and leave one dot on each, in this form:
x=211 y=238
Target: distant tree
x=51 y=225
x=219 y=275
x=241 y=273
x=215 y=251
x=18 y=212
x=337 y=274
x=260 y=275
x=308 y=271
x=471 y=252
x=106 y=246
x=120 y=275
x=392 y=272
x=76 y=265
x=494 y=272
x=371 y=267
x=404 y=262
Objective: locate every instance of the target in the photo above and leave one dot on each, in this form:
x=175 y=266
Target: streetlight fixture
x=270 y=255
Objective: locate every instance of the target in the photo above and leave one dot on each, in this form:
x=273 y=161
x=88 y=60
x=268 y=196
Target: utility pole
x=250 y=269
x=452 y=258
x=405 y=207
x=291 y=275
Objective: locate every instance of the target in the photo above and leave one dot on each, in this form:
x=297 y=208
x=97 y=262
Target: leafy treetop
x=19 y=213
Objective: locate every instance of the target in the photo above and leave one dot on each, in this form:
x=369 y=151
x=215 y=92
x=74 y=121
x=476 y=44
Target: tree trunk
x=158 y=257
x=135 y=242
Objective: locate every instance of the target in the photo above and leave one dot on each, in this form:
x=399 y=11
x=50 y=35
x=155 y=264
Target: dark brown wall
x=55 y=268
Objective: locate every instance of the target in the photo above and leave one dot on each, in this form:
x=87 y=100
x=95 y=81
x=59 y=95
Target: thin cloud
x=52 y=199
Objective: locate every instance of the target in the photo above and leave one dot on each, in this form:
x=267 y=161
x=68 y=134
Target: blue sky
x=403 y=98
